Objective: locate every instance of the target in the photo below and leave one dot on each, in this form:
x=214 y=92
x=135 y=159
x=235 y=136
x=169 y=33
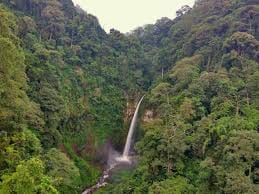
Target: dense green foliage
x=203 y=137
x=65 y=84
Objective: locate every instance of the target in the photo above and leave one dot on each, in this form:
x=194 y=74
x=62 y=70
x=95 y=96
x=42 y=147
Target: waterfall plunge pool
x=115 y=160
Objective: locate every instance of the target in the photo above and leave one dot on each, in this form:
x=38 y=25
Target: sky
x=126 y=15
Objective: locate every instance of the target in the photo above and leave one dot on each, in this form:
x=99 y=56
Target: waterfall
x=131 y=131
x=122 y=159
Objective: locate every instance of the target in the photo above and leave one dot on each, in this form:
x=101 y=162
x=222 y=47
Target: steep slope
x=201 y=135
x=65 y=85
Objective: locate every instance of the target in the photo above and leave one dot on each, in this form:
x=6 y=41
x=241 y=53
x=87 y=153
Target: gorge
x=68 y=91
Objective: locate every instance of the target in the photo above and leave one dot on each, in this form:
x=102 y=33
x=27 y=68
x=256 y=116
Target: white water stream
x=126 y=151
x=118 y=160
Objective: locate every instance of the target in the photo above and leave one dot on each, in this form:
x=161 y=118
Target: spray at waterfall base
x=115 y=160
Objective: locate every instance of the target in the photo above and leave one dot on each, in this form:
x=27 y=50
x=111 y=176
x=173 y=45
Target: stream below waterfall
x=114 y=159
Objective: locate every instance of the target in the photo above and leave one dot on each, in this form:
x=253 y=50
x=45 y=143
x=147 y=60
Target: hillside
x=65 y=87
x=203 y=133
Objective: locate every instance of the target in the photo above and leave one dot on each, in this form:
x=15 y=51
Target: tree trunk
x=162 y=73
x=237 y=106
x=50 y=36
x=208 y=65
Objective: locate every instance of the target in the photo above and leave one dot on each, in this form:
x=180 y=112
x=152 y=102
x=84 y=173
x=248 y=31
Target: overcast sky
x=126 y=15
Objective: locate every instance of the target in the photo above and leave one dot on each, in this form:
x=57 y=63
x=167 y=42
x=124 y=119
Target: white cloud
x=125 y=15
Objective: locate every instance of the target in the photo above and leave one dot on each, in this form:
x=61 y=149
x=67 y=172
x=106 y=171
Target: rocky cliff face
x=148 y=116
x=129 y=112
x=132 y=102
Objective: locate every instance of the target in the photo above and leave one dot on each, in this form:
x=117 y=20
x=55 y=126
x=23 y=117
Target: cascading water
x=125 y=155
x=117 y=160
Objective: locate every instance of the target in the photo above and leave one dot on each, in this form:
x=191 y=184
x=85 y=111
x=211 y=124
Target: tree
x=66 y=175
x=160 y=93
x=53 y=19
x=8 y=27
x=26 y=25
x=28 y=178
x=16 y=147
x=15 y=106
x=16 y=109
x=249 y=14
x=243 y=43
x=187 y=110
x=176 y=185
x=184 y=9
x=185 y=71
x=233 y=169
x=253 y=86
x=162 y=149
